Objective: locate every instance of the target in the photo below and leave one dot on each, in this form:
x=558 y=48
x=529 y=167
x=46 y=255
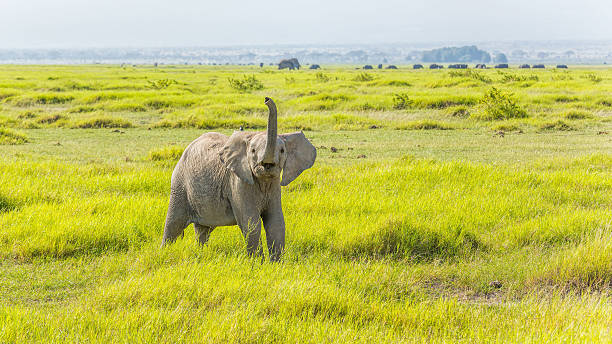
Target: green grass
x=413 y=235
x=10 y=137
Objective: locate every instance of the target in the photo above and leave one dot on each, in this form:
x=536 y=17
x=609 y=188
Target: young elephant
x=223 y=181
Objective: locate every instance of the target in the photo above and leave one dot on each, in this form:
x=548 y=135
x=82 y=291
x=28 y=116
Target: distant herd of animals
x=294 y=64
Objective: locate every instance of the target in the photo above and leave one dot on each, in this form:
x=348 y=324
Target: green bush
x=160 y=84
x=497 y=104
x=248 y=83
x=401 y=101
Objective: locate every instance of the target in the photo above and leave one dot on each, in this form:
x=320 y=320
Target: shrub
x=160 y=84
x=401 y=101
x=102 y=122
x=248 y=83
x=497 y=104
x=10 y=137
x=171 y=153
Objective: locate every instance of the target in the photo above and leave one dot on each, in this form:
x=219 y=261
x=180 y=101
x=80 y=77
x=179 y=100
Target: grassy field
x=444 y=206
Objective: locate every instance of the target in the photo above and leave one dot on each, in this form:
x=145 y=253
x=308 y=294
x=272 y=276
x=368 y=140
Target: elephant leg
x=202 y=233
x=176 y=220
x=274 y=225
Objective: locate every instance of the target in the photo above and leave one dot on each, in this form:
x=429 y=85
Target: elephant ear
x=234 y=156
x=301 y=155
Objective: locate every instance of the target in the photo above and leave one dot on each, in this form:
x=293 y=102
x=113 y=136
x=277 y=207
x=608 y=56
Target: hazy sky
x=146 y=23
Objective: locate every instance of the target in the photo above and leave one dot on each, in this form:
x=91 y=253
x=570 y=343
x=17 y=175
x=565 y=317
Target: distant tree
x=519 y=54
x=543 y=55
x=500 y=58
x=456 y=54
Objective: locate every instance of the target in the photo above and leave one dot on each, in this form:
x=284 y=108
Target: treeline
x=456 y=54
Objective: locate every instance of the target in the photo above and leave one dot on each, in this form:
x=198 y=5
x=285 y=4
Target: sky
x=191 y=23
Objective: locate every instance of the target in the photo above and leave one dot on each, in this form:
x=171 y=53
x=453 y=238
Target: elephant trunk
x=268 y=157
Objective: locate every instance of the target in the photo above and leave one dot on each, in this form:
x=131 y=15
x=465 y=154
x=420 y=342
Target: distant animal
x=458 y=66
x=261 y=64
x=417 y=66
x=538 y=66
x=501 y=65
x=391 y=67
x=561 y=66
x=315 y=66
x=289 y=64
x=524 y=66
x=481 y=66
x=435 y=66
x=224 y=181
x=380 y=66
x=368 y=67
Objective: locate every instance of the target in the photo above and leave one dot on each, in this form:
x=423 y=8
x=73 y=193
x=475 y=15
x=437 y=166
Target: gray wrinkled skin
x=222 y=181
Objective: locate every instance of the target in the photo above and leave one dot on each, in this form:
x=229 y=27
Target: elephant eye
x=282 y=150
x=253 y=150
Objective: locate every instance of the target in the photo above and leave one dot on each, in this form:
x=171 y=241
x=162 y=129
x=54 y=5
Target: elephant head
x=262 y=156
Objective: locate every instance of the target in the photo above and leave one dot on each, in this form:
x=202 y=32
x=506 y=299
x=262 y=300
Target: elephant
x=391 y=67
x=523 y=66
x=315 y=66
x=417 y=66
x=289 y=63
x=501 y=65
x=224 y=181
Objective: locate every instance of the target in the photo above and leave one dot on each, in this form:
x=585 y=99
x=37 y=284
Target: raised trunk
x=268 y=157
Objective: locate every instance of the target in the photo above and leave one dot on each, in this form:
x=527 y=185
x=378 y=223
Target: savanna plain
x=444 y=206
